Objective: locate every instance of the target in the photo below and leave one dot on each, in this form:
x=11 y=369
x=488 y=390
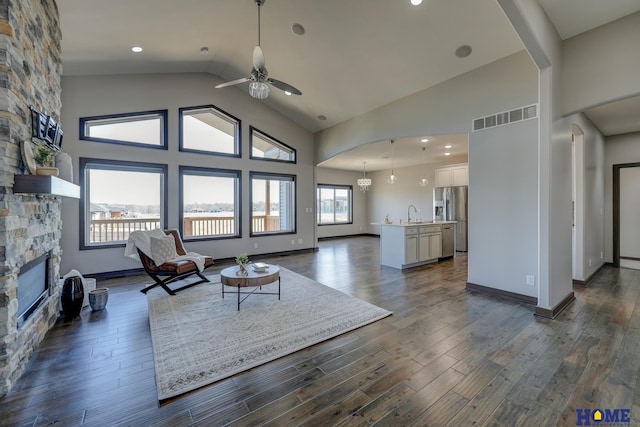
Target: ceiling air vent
x=500 y=119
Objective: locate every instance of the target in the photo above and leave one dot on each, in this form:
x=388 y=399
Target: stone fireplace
x=30 y=224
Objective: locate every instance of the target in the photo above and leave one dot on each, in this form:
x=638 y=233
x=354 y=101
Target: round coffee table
x=230 y=276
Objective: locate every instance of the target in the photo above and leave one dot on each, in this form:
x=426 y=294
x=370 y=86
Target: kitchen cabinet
x=411 y=249
x=459 y=176
x=430 y=246
x=452 y=176
x=403 y=246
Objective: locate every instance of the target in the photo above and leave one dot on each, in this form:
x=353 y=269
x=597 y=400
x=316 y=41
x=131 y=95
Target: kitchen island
x=410 y=244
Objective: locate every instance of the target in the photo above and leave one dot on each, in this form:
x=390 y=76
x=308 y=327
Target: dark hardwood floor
x=447 y=357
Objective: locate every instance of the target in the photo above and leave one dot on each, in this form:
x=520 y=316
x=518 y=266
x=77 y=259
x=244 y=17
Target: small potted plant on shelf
x=44 y=161
x=243 y=262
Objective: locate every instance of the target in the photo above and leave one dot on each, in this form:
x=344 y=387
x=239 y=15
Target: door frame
x=616 y=209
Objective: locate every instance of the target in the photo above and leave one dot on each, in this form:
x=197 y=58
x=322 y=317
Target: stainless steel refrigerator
x=450 y=204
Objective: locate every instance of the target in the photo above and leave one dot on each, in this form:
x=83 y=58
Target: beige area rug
x=199 y=338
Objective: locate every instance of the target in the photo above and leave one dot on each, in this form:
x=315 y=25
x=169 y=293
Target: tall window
x=335 y=204
x=207 y=129
x=264 y=147
x=273 y=203
x=112 y=207
x=147 y=129
x=210 y=202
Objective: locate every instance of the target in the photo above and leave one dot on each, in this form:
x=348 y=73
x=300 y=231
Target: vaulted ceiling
x=353 y=57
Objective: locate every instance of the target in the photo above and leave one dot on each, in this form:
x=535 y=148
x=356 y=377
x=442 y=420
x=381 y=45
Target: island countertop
x=415 y=224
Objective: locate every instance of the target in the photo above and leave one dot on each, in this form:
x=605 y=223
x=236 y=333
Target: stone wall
x=30 y=225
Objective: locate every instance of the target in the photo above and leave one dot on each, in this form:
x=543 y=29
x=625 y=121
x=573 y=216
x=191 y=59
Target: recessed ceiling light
x=297 y=29
x=463 y=51
x=447 y=154
x=448 y=146
x=416 y=2
x=136 y=49
x=321 y=117
x=424 y=140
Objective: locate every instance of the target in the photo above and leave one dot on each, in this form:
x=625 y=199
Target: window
x=207 y=129
x=264 y=147
x=273 y=203
x=147 y=129
x=335 y=204
x=210 y=202
x=111 y=207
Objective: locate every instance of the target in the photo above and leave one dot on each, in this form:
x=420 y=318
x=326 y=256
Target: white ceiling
x=355 y=55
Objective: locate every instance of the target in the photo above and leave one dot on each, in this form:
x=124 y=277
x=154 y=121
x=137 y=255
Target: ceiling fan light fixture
x=259 y=90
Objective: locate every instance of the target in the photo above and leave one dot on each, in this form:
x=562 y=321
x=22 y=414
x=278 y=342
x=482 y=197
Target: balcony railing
x=119 y=229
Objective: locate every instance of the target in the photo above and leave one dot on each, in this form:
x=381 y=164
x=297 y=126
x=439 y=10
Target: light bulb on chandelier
x=364 y=183
x=423 y=181
x=392 y=178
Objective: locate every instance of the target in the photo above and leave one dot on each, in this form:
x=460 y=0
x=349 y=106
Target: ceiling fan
x=259 y=78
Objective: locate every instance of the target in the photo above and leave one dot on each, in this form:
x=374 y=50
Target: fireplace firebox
x=33 y=286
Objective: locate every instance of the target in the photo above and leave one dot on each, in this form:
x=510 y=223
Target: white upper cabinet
x=452 y=176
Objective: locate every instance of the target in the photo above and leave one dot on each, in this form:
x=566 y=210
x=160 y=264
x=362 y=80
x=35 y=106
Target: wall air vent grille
x=500 y=119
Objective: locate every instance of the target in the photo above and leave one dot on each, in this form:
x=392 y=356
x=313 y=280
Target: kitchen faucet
x=409 y=210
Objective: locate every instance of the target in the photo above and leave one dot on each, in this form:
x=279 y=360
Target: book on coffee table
x=260 y=266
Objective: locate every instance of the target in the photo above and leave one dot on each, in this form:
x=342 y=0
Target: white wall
x=446 y=108
x=503 y=207
x=102 y=95
x=554 y=152
x=360 y=221
x=601 y=65
x=618 y=149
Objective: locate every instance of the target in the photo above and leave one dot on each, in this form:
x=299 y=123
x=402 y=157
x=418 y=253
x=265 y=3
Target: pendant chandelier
x=392 y=178
x=364 y=183
x=423 y=181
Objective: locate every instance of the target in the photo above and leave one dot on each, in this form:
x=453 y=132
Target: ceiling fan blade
x=233 y=82
x=284 y=86
x=258 y=58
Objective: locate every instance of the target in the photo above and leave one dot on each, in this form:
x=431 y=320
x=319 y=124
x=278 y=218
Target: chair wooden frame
x=170 y=272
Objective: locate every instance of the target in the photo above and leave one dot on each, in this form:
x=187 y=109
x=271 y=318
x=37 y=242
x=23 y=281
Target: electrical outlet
x=589 y=262
x=601 y=255
x=299 y=241
x=255 y=245
x=293 y=242
x=531 y=280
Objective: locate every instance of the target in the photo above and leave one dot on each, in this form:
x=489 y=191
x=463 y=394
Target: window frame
x=275 y=141
x=334 y=187
x=237 y=133
x=118 y=165
x=269 y=175
x=201 y=171
x=162 y=114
